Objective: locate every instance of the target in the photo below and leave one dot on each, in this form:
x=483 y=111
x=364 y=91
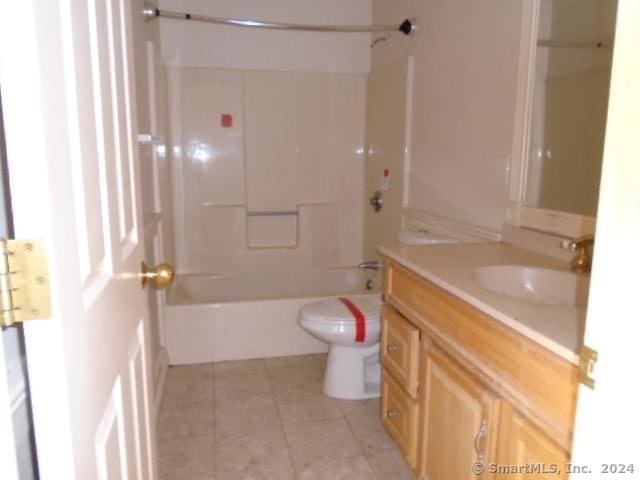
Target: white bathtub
x=212 y=317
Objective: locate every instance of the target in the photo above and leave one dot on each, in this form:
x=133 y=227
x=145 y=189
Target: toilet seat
x=332 y=311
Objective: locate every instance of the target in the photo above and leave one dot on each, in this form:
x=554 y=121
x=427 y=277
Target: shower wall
x=268 y=170
x=267 y=137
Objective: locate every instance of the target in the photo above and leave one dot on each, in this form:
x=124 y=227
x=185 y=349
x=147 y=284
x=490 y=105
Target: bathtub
x=215 y=317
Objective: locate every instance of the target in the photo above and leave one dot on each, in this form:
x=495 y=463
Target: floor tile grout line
x=215 y=430
x=171 y=401
x=342 y=417
x=284 y=434
x=392 y=445
x=273 y=374
x=364 y=455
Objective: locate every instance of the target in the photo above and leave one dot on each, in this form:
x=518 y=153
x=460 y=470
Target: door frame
x=16 y=423
x=21 y=76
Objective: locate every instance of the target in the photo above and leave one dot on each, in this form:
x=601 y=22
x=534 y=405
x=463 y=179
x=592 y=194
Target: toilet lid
x=333 y=310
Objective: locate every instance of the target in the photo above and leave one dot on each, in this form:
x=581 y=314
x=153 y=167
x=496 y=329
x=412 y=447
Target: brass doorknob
x=159 y=277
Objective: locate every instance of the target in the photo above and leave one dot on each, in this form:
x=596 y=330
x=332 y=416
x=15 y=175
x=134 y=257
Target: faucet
x=581 y=263
x=371 y=265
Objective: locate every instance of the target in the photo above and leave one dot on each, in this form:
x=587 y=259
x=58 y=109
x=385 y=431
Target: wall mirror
x=565 y=72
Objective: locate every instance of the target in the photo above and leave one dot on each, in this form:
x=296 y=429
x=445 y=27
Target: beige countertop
x=558 y=328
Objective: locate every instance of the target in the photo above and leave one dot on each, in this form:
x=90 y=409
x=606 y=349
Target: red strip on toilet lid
x=361 y=324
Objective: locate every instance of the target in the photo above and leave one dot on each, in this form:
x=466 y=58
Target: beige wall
x=387 y=122
x=466 y=55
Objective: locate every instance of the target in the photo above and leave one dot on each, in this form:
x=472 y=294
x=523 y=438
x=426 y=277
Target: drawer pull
x=392 y=348
x=482 y=432
x=392 y=414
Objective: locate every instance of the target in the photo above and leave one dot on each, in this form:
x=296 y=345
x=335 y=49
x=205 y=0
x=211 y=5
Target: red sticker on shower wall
x=226 y=120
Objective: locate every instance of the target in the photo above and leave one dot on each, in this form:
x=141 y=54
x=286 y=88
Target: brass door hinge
x=588 y=359
x=24 y=281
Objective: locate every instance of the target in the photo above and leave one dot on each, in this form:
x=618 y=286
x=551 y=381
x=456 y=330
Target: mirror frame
x=518 y=213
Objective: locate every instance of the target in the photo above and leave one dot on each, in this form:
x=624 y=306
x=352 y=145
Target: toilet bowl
x=351 y=327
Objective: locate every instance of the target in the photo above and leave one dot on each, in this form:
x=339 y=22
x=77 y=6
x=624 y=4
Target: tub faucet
x=582 y=261
x=371 y=265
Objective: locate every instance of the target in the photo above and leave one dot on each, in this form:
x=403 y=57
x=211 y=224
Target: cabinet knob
x=392 y=414
x=392 y=348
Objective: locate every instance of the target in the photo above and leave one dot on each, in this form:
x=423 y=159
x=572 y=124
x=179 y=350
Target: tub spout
x=371 y=265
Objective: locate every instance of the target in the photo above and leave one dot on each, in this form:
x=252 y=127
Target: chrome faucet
x=581 y=263
x=371 y=265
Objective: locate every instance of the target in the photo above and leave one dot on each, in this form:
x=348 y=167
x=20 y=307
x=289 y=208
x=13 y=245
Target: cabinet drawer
x=400 y=417
x=400 y=350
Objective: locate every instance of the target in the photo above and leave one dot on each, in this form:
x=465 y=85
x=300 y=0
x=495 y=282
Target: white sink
x=539 y=285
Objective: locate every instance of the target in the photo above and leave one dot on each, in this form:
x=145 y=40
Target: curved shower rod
x=150 y=12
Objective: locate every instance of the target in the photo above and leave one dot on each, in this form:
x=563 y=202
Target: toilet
x=351 y=326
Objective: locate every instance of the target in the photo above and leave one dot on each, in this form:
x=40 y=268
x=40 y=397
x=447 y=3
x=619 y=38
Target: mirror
x=568 y=109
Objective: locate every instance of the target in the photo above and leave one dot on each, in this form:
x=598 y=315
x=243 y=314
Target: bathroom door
x=608 y=416
x=66 y=71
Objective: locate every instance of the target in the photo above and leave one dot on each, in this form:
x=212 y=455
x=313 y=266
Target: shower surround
x=266 y=164
x=267 y=161
x=267 y=189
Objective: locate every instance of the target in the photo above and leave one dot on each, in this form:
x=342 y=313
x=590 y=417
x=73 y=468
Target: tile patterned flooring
x=269 y=420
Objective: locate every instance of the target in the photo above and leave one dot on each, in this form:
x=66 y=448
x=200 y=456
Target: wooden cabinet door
x=459 y=420
x=522 y=444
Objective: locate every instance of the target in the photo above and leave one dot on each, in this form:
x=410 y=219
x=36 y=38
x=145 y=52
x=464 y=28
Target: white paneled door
x=66 y=71
x=608 y=417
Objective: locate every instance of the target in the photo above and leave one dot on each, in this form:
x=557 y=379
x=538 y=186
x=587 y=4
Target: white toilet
x=353 y=364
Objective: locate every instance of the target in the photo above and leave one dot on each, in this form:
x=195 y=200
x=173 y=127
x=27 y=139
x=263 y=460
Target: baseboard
x=160 y=376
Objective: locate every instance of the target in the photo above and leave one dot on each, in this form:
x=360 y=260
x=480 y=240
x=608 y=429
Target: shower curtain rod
x=150 y=12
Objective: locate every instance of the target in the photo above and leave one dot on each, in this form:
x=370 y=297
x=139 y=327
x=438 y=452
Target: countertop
x=557 y=328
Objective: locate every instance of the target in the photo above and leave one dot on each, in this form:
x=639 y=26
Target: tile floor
x=269 y=419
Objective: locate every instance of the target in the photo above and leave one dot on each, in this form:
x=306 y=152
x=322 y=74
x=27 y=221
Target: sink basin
x=539 y=285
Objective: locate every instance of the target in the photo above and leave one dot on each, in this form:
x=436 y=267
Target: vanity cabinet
x=459 y=425
x=461 y=387
x=521 y=442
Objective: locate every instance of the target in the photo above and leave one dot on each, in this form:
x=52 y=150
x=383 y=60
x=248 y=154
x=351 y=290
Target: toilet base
x=353 y=373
